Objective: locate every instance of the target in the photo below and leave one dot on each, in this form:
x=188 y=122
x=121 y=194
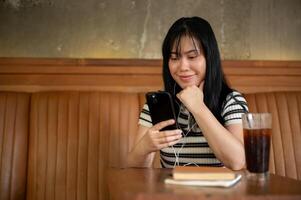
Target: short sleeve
x=233 y=108
x=144 y=118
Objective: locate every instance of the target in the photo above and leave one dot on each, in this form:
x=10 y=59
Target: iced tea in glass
x=257 y=128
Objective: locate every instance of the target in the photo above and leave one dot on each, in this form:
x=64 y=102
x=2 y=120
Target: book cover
x=202 y=173
x=205 y=183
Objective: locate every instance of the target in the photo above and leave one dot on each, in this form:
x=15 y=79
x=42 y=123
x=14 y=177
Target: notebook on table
x=203 y=176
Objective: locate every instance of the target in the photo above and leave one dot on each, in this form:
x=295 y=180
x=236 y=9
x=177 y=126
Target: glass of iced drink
x=257 y=128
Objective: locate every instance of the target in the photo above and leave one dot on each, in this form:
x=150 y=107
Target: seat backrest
x=14 y=117
x=285 y=157
x=74 y=137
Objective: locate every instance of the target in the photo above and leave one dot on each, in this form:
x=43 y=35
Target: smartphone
x=161 y=108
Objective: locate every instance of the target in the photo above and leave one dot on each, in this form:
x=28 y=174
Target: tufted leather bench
x=285 y=156
x=58 y=145
x=14 y=133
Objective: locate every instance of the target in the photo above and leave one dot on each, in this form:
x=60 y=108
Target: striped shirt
x=193 y=148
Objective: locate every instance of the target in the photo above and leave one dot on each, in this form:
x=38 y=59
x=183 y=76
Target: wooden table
x=146 y=184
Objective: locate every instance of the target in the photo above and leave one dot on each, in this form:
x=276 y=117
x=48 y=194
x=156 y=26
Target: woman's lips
x=186 y=78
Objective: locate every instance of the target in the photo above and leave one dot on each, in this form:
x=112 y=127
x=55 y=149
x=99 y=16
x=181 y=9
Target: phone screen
x=161 y=108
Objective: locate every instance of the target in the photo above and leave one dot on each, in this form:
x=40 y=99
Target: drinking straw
x=249 y=120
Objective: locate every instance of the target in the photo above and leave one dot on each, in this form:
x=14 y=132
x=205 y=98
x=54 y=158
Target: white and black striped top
x=193 y=148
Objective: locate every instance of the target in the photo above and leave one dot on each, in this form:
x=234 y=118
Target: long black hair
x=215 y=87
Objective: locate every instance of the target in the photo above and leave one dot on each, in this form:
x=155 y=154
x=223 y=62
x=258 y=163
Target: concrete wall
x=245 y=29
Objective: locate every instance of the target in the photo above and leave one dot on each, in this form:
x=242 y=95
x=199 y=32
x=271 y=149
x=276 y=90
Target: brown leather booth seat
x=57 y=145
x=74 y=137
x=14 y=118
x=285 y=157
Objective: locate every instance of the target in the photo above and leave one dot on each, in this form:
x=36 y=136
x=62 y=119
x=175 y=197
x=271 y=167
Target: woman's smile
x=186 y=78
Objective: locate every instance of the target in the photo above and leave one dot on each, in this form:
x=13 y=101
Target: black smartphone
x=161 y=108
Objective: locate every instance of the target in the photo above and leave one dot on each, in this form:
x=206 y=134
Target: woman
x=208 y=111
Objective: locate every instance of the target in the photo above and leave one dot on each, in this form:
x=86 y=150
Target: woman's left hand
x=192 y=97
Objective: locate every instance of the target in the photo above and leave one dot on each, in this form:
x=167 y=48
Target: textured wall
x=257 y=29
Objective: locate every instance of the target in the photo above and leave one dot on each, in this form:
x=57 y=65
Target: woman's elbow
x=238 y=166
x=238 y=163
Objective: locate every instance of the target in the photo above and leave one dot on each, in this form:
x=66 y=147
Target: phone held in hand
x=161 y=108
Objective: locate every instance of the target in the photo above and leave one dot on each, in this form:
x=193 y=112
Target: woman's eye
x=174 y=58
x=192 y=56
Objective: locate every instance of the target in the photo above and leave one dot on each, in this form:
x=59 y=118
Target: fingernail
x=179 y=131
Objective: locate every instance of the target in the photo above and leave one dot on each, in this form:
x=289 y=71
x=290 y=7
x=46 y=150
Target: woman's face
x=188 y=66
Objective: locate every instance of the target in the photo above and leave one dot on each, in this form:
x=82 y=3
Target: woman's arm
x=139 y=156
x=150 y=140
x=226 y=142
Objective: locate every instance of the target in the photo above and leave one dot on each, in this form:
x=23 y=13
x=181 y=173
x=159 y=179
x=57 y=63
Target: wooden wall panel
x=134 y=75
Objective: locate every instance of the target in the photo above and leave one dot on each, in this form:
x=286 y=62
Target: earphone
x=177 y=153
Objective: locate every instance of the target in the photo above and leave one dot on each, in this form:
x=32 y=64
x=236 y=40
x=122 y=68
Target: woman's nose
x=184 y=64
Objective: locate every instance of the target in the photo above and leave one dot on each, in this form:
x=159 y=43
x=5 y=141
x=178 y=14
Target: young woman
x=208 y=111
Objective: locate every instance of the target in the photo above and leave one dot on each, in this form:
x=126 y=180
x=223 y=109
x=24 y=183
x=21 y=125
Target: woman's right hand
x=154 y=139
x=150 y=140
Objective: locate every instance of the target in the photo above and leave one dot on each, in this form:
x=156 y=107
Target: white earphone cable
x=177 y=153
